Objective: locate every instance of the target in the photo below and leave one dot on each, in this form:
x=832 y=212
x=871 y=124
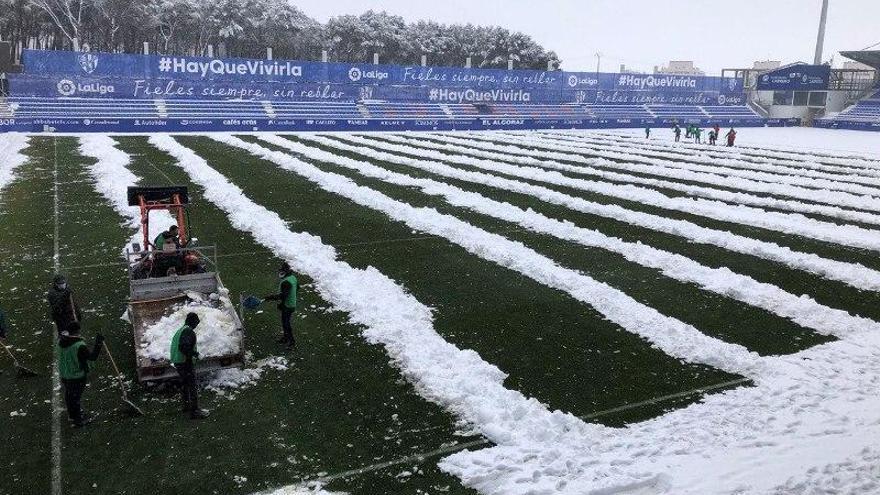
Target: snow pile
x=216 y=335
x=112 y=180
x=240 y=378
x=11 y=156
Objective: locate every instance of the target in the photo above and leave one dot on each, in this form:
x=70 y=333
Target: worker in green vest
x=184 y=353
x=73 y=367
x=286 y=298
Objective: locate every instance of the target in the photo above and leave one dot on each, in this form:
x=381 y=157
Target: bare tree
x=68 y=15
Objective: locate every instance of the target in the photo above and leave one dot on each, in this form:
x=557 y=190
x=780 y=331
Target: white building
x=680 y=68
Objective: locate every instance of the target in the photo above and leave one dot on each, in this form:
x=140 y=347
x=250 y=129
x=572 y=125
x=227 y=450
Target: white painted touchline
x=800 y=309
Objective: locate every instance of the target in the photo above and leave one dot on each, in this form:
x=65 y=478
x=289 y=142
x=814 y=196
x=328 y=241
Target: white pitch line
x=423 y=456
x=56 y=377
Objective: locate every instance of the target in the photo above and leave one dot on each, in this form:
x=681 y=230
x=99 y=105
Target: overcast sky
x=645 y=33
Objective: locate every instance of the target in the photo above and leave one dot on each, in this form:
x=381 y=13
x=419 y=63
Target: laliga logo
x=355 y=74
x=66 y=87
x=88 y=62
x=572 y=81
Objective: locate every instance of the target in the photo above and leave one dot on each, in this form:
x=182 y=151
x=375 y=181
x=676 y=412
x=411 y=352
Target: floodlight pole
x=820 y=42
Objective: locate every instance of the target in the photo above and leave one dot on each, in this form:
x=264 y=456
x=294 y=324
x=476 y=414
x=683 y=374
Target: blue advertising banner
x=95 y=66
x=798 y=77
x=26 y=85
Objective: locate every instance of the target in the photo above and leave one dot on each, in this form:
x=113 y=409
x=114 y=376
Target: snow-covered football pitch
x=537 y=312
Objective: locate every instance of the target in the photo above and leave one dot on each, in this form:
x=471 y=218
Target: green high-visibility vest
x=290 y=302
x=68 y=361
x=177 y=357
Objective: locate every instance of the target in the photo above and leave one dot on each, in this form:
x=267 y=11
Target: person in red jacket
x=731 y=137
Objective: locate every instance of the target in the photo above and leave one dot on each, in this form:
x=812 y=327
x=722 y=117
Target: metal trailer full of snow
x=163 y=281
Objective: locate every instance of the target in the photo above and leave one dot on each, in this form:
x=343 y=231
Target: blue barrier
x=347 y=125
x=48 y=86
x=849 y=125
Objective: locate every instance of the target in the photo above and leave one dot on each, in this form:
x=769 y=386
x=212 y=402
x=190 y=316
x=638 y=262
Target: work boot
x=198 y=414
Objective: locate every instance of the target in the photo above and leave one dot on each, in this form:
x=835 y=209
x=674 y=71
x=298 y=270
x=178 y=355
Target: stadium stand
x=863 y=115
x=102 y=108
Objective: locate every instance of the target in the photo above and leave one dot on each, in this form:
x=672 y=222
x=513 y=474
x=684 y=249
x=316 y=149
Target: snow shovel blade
x=251 y=302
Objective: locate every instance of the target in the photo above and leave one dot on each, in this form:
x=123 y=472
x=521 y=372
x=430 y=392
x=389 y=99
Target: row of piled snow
x=850 y=273
x=800 y=309
x=12 y=146
x=674 y=337
x=112 y=180
x=730 y=157
x=478 y=150
x=788 y=223
x=454 y=378
x=678 y=171
x=831 y=192
x=217 y=334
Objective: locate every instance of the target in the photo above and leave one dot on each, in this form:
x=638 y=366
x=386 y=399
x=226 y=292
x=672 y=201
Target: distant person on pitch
x=731 y=137
x=677 y=131
x=73 y=367
x=717 y=130
x=647 y=132
x=286 y=298
x=184 y=353
x=713 y=137
x=697 y=133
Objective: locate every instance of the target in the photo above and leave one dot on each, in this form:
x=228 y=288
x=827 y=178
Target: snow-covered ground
x=795 y=139
x=811 y=422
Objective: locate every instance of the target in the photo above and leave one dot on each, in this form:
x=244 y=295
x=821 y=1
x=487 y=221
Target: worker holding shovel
x=286 y=298
x=73 y=366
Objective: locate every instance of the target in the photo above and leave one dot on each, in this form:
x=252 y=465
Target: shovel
x=130 y=408
x=21 y=371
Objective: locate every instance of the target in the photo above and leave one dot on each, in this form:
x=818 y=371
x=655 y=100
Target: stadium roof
x=867 y=57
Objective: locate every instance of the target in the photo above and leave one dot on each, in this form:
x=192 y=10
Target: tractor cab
x=168 y=253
